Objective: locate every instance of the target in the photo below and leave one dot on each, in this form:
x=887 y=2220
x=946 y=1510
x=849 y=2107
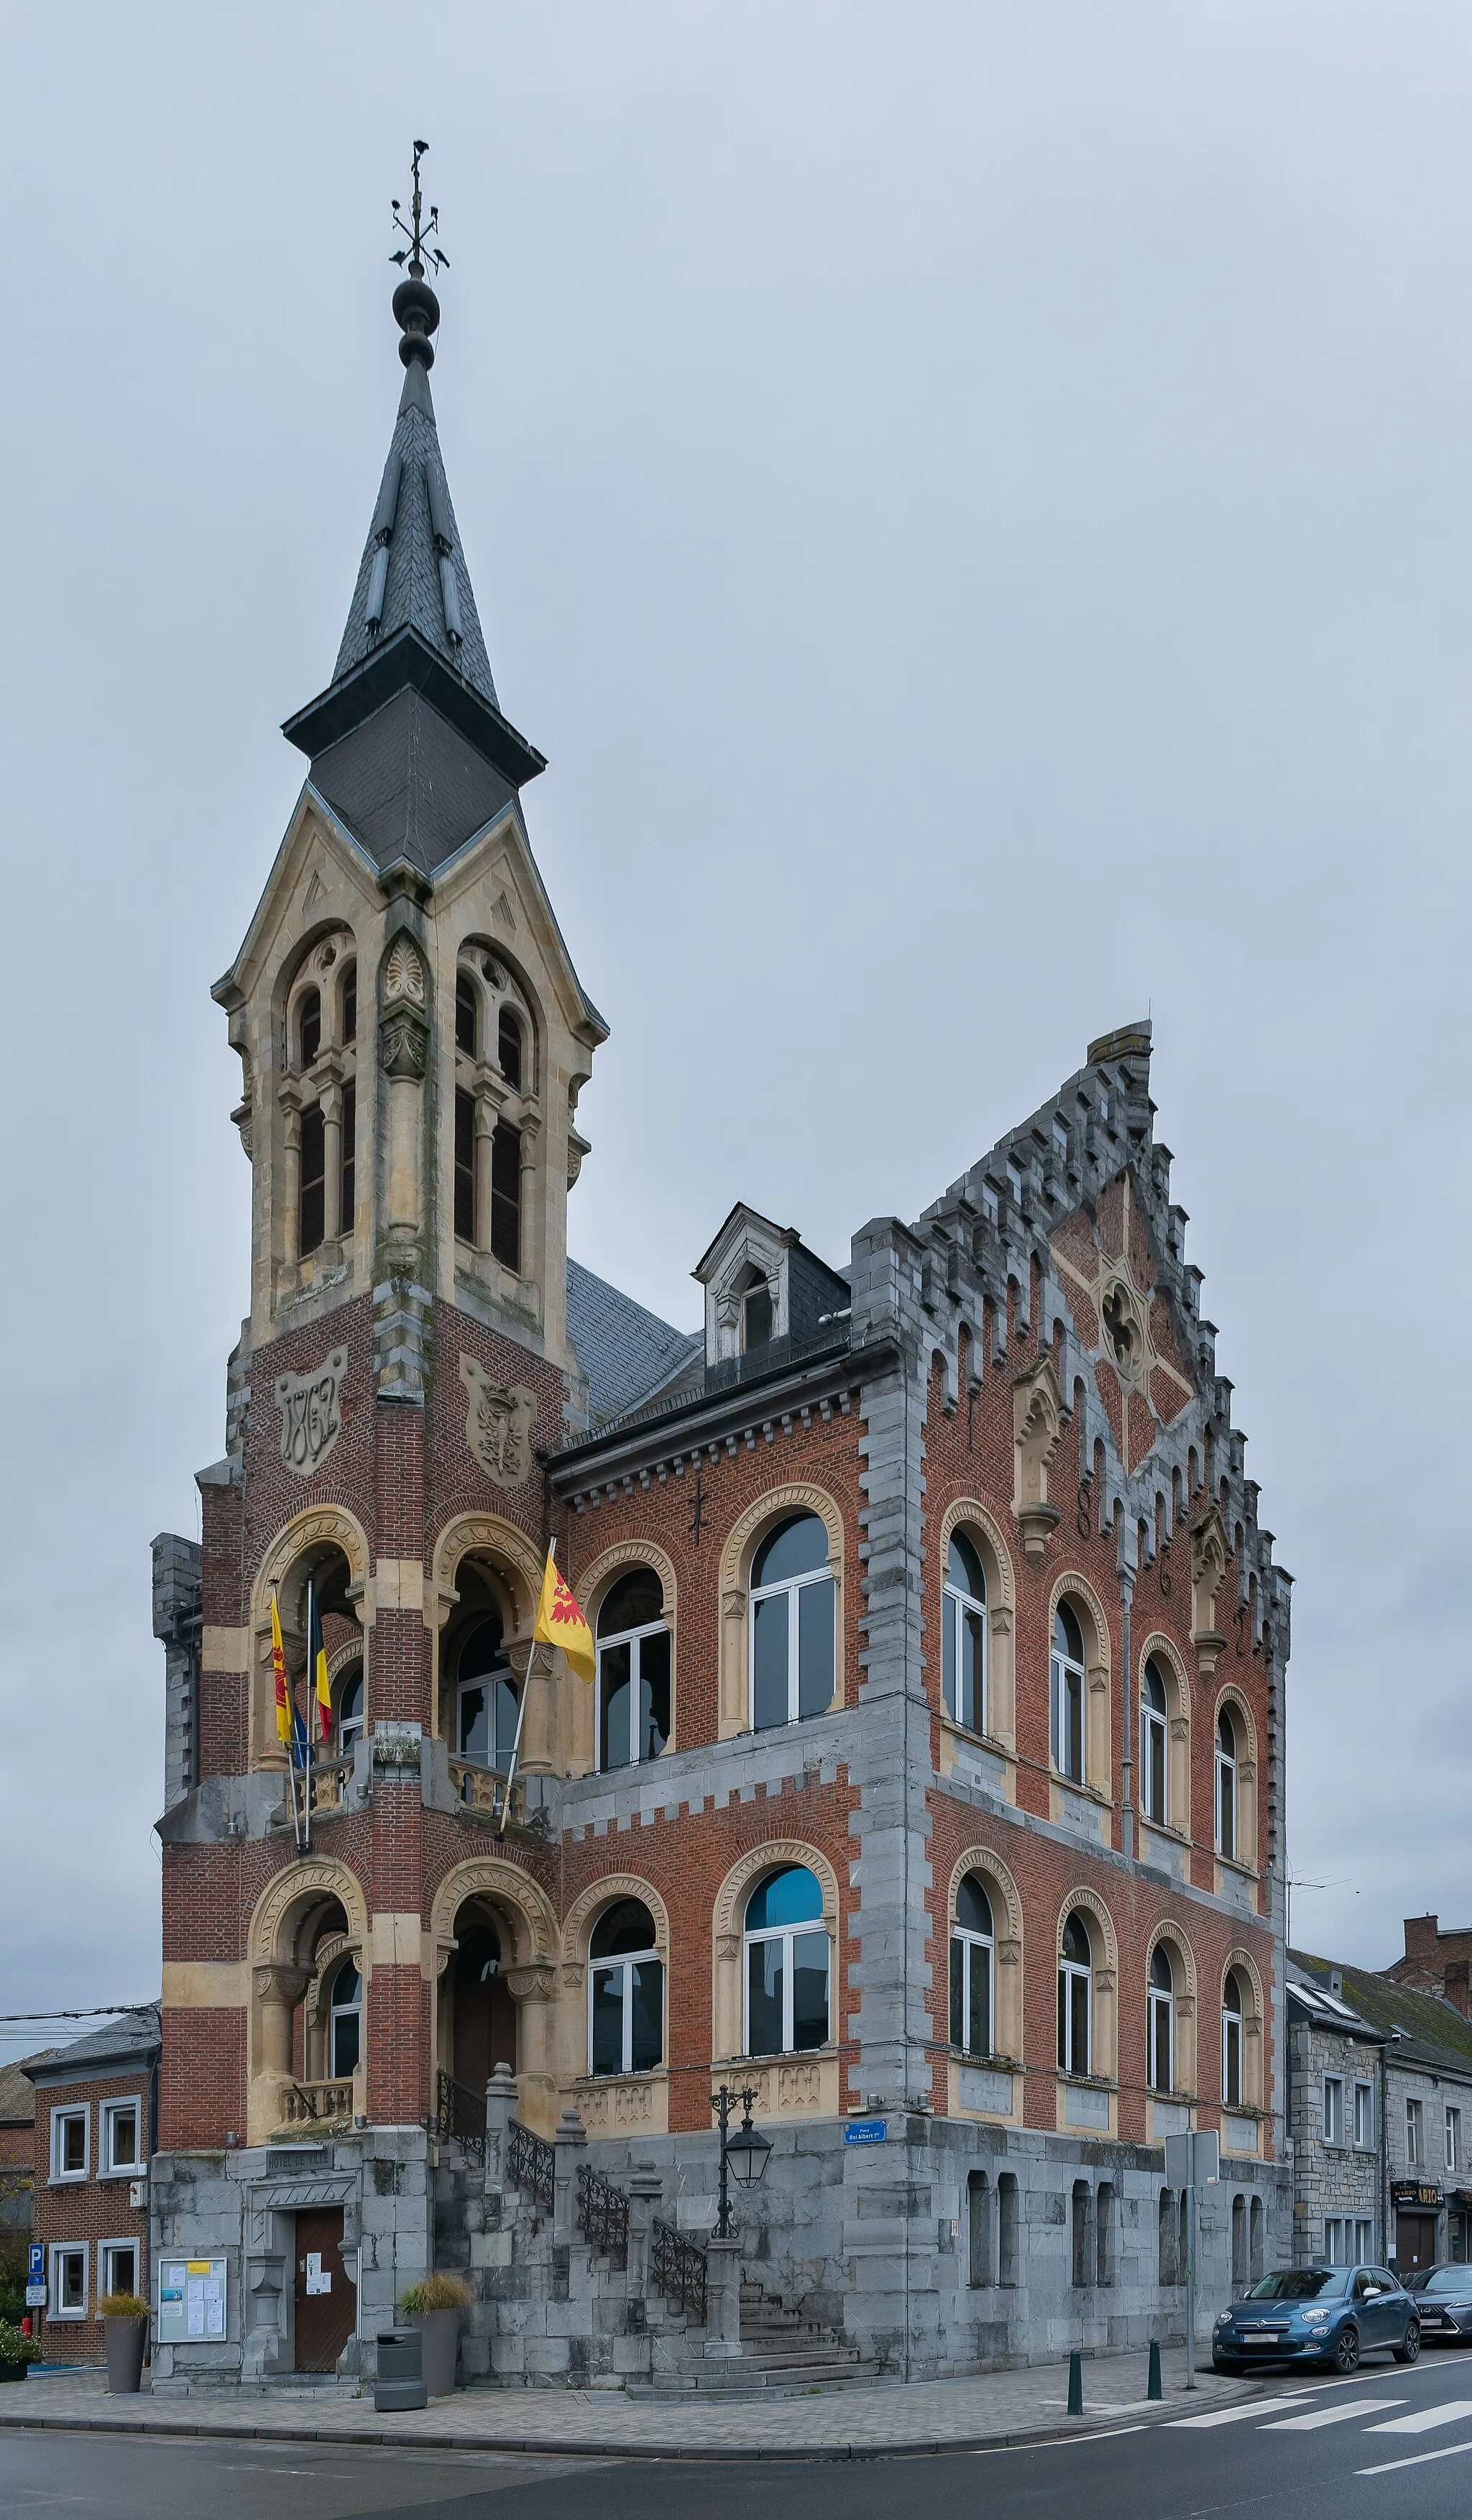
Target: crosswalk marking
x=1340 y=2415
x=1422 y=2458
x=1228 y=2415
x=1427 y=2419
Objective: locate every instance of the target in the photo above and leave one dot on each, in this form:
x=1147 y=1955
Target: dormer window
x=508 y=1048
x=756 y=1317
x=309 y=1027
x=467 y=1027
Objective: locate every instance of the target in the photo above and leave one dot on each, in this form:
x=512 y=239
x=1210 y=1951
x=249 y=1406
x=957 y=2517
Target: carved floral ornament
x=499 y=1422
x=404 y=975
x=311 y=1413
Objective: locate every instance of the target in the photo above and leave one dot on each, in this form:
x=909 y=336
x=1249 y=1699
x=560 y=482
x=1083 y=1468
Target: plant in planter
x=436 y=2307
x=125 y=2335
x=17 y=2352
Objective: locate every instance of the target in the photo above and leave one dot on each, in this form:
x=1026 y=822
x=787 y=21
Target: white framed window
x=1075 y=1998
x=633 y=1671
x=1231 y=2041
x=121 y=2138
x=787 y=1963
x=1226 y=1784
x=1068 y=1694
x=625 y=1992
x=964 y=1636
x=1364 y=2116
x=1333 y=2108
x=486 y=1698
x=345 y=2021
x=1161 y=2001
x=972 y=1950
x=1454 y=2138
x=1154 y=1746
x=349 y=1710
x=69 y=2281
x=117 y=2267
x=70 y=2143
x=792 y=1624
x=1347 y=2238
x=1415 y=2137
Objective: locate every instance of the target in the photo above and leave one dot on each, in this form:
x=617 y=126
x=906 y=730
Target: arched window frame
x=1068 y=1698
x=970 y=1950
x=1076 y=2002
x=1243 y=1780
x=963 y=1620
x=622 y=1967
x=344 y=2015
x=1006 y=1964
x=500 y=1719
x=1072 y=1589
x=1241 y=1964
x=787 y=1937
x=1160 y=2022
x=635 y=1638
x=792 y=1588
x=976 y=1524
x=1233 y=2060
x=1160 y=1650
x=1154 y=1746
x=739 y=1547
x=1224 y=1805
x=778 y=2094
x=1104 y=2024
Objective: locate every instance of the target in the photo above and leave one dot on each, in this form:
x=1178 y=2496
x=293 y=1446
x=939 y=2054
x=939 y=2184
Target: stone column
x=277 y=1992
x=646 y=2195
x=486 y=1116
x=531 y=1990
x=291 y=1180
x=722 y=2300
x=571 y=2145
x=500 y=2112
x=331 y=1144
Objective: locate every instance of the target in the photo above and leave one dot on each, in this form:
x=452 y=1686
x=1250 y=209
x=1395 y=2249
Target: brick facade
x=101 y=2205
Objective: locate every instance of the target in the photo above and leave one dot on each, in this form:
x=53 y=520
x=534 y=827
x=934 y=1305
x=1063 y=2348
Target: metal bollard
x=1076 y=2382
x=1152 y=2386
x=400 y=2384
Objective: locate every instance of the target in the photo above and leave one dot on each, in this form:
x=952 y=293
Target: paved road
x=1391 y=2443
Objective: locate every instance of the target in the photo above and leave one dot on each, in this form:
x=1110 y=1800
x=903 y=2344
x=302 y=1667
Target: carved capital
x=734 y=1604
x=534 y=1984
x=276 y=1984
x=404 y=1043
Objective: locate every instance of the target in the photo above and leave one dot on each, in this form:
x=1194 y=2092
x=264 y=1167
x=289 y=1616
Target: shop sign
x=1416 y=2195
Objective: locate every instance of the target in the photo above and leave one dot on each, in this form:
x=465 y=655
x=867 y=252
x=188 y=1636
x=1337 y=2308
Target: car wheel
x=1347 y=2350
x=1409 y=2349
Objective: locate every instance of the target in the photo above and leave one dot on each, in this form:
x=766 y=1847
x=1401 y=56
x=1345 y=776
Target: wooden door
x=325 y=2320
x=484 y=2029
x=1415 y=2243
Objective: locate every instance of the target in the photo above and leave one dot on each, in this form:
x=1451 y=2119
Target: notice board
x=191 y=2300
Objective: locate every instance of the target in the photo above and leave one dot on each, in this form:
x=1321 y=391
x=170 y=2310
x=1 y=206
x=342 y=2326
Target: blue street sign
x=864 y=2131
x=37 y=2272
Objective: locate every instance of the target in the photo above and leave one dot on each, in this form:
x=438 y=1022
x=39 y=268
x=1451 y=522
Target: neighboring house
x=1424 y=2100
x=17 y=2144
x=1438 y=1961
x=96 y=2112
x=1335 y=2087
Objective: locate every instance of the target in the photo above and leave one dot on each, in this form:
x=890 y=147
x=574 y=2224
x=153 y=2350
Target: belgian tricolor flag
x=321 y=1687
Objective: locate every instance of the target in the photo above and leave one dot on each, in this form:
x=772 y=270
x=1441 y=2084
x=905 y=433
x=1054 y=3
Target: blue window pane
x=787 y=1898
x=346 y=2038
x=810 y=1990
x=969 y=1710
x=474 y=1731
x=646 y=2002
x=978 y=2016
x=973 y=1908
x=814 y=1649
x=769 y=1661
x=613 y=1677
x=506 y=1720
x=764 y=1999
x=796 y=1547
x=609 y=2022
x=653 y=1694
x=963 y=1569
x=636 y=1600
x=626 y=1927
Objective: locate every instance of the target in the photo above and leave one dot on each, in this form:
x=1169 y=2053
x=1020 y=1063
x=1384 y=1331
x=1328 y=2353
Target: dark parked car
x=1443 y=2297
x=1330 y=2315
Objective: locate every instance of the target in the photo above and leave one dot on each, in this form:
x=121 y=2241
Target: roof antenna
x=419 y=247
x=414 y=305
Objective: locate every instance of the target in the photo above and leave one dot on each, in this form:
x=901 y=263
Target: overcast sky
x=973 y=502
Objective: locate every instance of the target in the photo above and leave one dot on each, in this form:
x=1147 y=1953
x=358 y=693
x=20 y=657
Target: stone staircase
x=782 y=2353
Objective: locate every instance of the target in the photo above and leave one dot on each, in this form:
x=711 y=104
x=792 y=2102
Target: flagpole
x=310 y=1719
x=290 y=1745
x=505 y=1799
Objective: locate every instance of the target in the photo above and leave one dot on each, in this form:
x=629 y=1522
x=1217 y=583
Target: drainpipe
x=1384 y=2160
x=1127 y=1764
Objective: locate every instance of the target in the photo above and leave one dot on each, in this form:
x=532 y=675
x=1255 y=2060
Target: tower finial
x=415 y=303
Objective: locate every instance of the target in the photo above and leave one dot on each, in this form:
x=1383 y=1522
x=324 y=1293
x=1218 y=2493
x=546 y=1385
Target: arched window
x=625 y=1993
x=349 y=1710
x=791 y=1623
x=1155 y=1743
x=972 y=1944
x=464 y=1166
x=506 y=1195
x=633 y=1671
x=1067 y=1694
x=347 y=1003
x=312 y=1200
x=1162 y=2022
x=466 y=1015
x=964 y=1636
x=1231 y=2041
x=1075 y=1997
x=508 y=1048
x=787 y=1965
x=486 y=1698
x=308 y=1027
x=1226 y=1783
x=345 y=2035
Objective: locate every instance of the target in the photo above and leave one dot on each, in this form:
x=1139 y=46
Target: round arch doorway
x=483 y=2023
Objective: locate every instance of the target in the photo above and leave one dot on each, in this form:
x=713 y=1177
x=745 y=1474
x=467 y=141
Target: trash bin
x=400 y=2384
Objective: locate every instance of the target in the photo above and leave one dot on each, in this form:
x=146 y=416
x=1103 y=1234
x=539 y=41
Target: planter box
x=440 y=2330
x=125 y=2340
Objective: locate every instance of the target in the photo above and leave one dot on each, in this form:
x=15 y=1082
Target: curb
x=1028 y=2437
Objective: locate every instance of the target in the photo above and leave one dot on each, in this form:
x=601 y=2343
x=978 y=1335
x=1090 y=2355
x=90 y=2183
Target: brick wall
x=91 y=2211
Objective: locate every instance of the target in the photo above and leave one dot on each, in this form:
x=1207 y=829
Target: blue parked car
x=1330 y=2315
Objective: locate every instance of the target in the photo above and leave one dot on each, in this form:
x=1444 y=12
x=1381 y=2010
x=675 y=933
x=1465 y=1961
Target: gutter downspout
x=1384 y=2160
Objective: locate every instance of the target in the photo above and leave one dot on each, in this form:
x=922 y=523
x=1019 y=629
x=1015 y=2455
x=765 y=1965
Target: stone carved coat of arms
x=311 y=1413
x=498 y=1423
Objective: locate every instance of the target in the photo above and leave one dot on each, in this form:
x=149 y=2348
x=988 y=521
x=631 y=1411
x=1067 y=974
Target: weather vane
x=419 y=249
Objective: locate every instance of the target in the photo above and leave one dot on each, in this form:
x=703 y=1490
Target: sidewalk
x=997 y=2410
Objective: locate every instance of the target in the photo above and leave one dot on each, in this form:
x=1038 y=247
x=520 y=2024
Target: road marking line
x=1321 y=2416
x=1423 y=2459
x=1428 y=2418
x=1228 y=2415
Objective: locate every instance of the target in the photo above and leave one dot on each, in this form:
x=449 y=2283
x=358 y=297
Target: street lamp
x=744 y=2155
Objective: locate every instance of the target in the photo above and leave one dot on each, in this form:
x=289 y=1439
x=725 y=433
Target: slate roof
x=412 y=595
x=407 y=785
x=97 y=2049
x=1434 y=2032
x=18 y=2093
x=626 y=1353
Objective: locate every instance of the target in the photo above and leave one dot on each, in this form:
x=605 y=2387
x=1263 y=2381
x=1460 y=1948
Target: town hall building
x=930 y=1788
